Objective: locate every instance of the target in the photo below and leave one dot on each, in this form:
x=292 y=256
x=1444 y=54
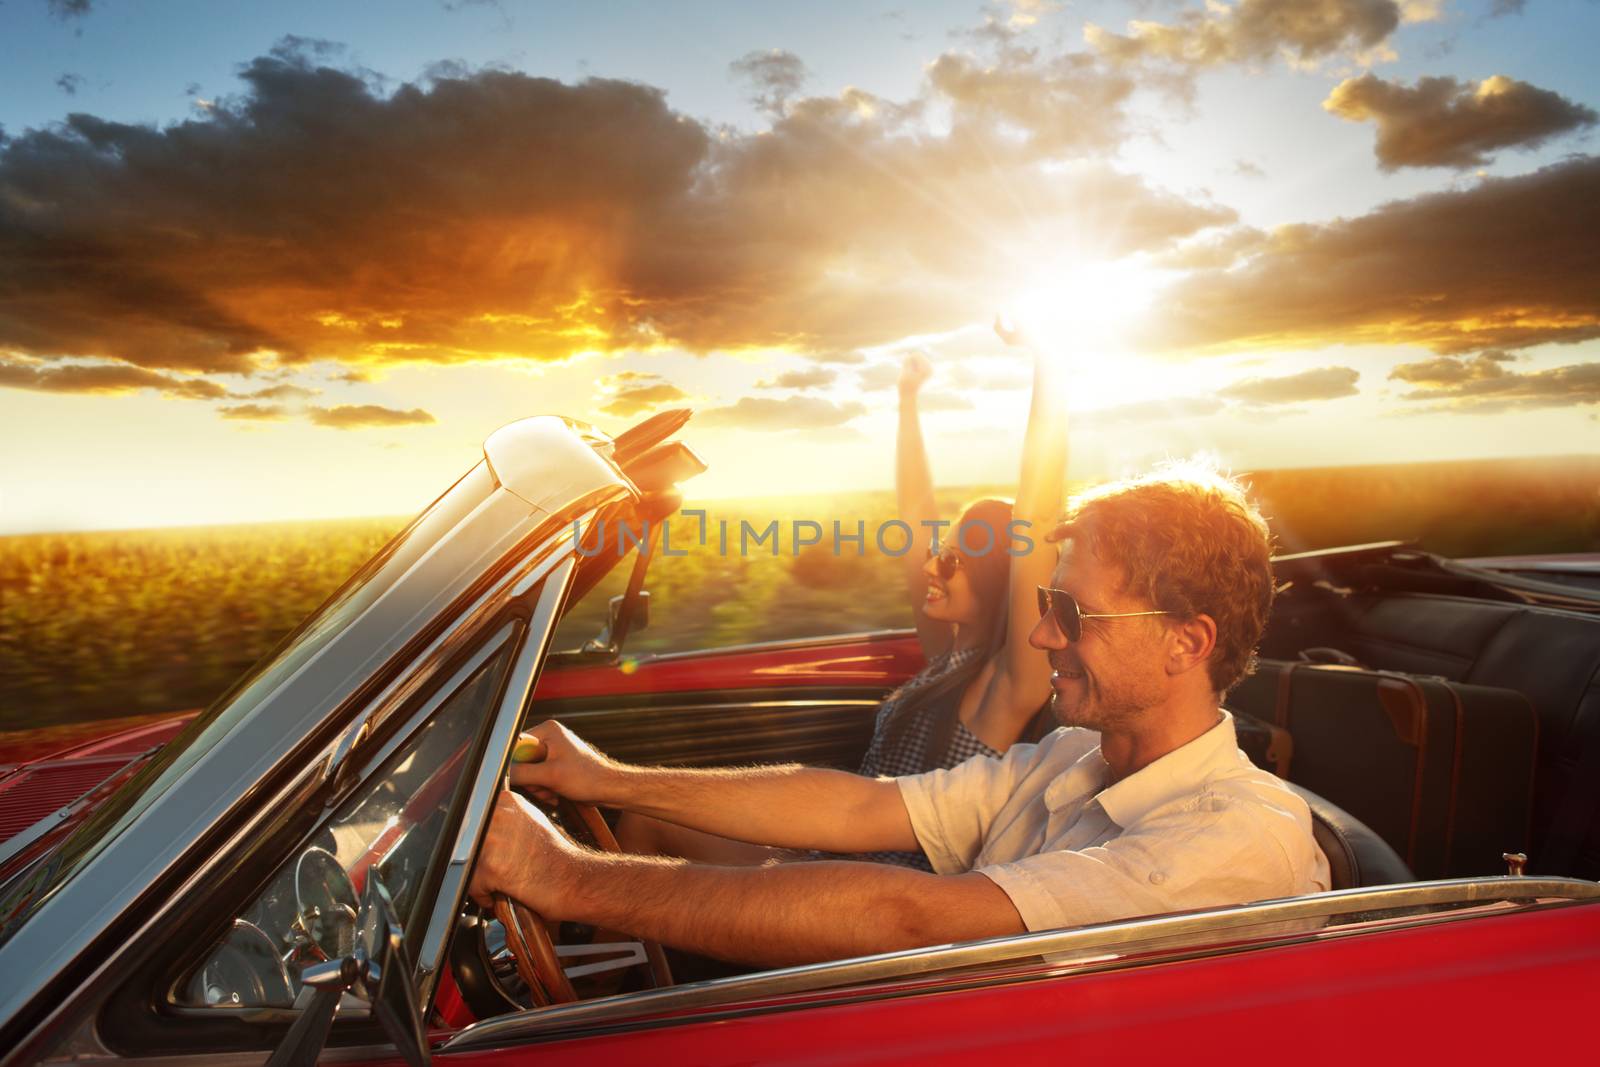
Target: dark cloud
x=70 y=9
x=1254 y=30
x=1441 y=122
x=255 y=412
x=788 y=413
x=104 y=379
x=317 y=217
x=70 y=83
x=1507 y=263
x=358 y=416
x=1500 y=8
x=774 y=77
x=1244 y=168
x=1574 y=385
x=813 y=378
x=1450 y=371
x=1320 y=383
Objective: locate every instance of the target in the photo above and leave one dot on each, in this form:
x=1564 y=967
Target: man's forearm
x=789 y=913
x=788 y=806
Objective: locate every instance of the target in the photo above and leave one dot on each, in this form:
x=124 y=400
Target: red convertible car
x=283 y=877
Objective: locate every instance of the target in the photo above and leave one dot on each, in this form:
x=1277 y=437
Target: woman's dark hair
x=982 y=538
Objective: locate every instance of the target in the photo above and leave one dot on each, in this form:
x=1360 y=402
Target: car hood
x=51 y=780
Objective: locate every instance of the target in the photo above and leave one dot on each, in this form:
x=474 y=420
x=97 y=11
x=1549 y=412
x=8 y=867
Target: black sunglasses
x=949 y=561
x=1060 y=605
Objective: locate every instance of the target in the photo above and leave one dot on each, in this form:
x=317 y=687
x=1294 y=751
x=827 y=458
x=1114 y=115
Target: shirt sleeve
x=1172 y=862
x=952 y=809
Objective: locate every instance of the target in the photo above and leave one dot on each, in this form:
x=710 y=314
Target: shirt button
x=1157 y=877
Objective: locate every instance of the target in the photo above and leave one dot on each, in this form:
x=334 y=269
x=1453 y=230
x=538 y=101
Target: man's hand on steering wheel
x=525 y=857
x=552 y=761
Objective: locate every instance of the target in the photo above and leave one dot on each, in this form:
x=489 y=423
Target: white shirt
x=1200 y=827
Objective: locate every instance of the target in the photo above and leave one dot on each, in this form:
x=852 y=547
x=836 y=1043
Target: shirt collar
x=1177 y=774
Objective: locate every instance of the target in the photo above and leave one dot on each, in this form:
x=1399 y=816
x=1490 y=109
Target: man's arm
x=767 y=916
x=788 y=806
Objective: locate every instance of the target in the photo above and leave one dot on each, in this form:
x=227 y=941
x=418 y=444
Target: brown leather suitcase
x=1440 y=770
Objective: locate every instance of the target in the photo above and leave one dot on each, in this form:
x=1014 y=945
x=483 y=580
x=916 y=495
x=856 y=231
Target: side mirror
x=376 y=971
x=619 y=624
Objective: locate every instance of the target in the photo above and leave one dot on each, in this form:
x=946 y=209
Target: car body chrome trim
x=467 y=532
x=433 y=938
x=820 y=641
x=1082 y=944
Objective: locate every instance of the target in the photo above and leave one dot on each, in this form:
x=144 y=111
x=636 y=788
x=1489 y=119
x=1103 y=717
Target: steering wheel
x=528 y=935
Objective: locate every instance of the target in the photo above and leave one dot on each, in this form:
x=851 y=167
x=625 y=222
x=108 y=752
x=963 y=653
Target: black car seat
x=1357 y=857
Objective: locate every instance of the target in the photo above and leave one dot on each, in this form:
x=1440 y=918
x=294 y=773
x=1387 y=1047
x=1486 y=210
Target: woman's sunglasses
x=949 y=561
x=1060 y=605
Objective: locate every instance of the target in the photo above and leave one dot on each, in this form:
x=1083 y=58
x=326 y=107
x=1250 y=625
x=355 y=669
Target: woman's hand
x=915 y=370
x=1009 y=332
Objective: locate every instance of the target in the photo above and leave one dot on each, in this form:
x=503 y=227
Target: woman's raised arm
x=1039 y=501
x=913 y=490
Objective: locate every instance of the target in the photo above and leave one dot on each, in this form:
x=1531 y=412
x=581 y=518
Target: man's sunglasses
x=1060 y=605
x=949 y=561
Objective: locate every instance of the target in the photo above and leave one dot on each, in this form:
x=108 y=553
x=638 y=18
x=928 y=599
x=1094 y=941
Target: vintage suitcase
x=1441 y=771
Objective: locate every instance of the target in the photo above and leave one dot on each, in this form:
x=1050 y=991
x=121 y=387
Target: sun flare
x=1086 y=306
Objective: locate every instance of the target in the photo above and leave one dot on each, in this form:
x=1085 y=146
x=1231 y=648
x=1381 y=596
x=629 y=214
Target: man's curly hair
x=1189 y=540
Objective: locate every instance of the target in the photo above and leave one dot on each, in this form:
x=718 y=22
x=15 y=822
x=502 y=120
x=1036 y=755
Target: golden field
x=97 y=625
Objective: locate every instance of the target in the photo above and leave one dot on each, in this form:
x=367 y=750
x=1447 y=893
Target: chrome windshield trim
x=435 y=935
x=1083 y=942
x=539 y=561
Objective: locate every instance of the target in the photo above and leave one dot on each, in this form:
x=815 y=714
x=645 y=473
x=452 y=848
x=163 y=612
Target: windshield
x=392 y=825
x=34 y=885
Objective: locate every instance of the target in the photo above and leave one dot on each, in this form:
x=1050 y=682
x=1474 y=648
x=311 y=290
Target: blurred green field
x=99 y=625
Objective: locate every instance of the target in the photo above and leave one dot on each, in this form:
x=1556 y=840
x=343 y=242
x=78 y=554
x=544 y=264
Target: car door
x=810 y=700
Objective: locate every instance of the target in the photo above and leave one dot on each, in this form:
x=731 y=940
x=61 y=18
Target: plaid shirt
x=908 y=754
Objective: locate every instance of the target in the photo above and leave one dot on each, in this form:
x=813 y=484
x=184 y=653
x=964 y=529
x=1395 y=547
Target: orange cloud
x=361 y=416
x=1256 y=30
x=633 y=392
x=329 y=221
x=1507 y=263
x=1320 y=383
x=255 y=412
x=104 y=379
x=1440 y=122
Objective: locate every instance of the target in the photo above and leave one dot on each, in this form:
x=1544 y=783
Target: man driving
x=1141 y=803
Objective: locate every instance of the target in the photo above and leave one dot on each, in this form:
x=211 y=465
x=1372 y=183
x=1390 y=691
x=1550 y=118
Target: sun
x=1086 y=306
x=1086 y=314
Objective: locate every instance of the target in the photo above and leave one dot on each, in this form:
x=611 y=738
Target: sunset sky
x=294 y=260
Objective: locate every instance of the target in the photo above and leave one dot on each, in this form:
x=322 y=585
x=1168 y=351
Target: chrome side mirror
x=377 y=971
x=619 y=623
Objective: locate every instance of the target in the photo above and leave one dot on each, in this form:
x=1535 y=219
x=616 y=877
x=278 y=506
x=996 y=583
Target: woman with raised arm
x=972 y=596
